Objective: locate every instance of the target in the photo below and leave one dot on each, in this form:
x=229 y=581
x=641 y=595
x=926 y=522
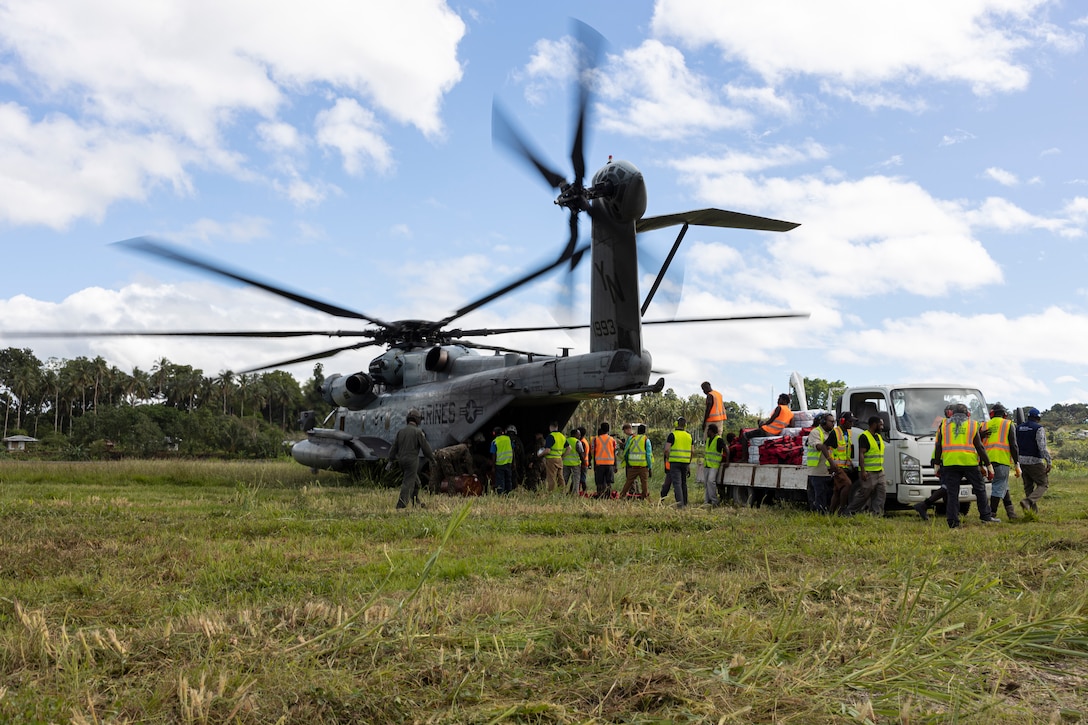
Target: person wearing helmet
x=999 y=437
x=1034 y=459
x=408 y=446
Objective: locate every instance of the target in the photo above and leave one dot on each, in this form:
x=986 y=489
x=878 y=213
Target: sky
x=932 y=152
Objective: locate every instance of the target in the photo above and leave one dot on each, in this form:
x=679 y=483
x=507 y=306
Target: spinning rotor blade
x=588 y=55
x=186 y=333
x=510 y=287
x=147 y=245
x=306 y=358
x=503 y=131
x=715 y=218
x=680 y=320
x=729 y=318
x=478 y=346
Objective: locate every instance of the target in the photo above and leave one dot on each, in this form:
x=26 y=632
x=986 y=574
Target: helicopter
x=436 y=369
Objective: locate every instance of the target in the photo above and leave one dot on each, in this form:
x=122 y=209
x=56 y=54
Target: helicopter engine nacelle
x=440 y=359
x=627 y=200
x=353 y=392
x=388 y=368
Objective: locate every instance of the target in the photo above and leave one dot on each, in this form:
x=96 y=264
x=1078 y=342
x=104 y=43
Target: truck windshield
x=918 y=411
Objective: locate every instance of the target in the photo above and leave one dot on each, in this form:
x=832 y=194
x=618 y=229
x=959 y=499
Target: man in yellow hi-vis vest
x=872 y=486
x=959 y=452
x=678 y=456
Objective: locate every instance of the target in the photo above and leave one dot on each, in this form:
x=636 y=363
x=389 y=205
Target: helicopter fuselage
x=459 y=393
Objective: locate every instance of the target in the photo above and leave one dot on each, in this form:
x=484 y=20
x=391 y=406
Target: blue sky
x=933 y=153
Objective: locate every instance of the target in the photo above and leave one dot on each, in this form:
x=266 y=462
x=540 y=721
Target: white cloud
x=279 y=136
x=356 y=134
x=649 y=91
x=882 y=232
x=1003 y=215
x=977 y=42
x=138 y=93
x=765 y=98
x=1001 y=176
x=956 y=137
x=1050 y=336
x=56 y=170
x=242 y=229
x=876 y=99
x=553 y=64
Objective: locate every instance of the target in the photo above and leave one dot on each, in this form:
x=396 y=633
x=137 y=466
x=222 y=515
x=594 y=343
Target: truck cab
x=911 y=414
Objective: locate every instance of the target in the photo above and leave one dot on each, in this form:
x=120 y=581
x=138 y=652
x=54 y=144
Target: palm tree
x=139 y=386
x=100 y=369
x=160 y=376
x=225 y=383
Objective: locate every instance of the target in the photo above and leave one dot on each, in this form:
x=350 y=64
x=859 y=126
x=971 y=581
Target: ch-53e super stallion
x=434 y=367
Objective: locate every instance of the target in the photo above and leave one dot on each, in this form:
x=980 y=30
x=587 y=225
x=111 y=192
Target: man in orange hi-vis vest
x=715 y=409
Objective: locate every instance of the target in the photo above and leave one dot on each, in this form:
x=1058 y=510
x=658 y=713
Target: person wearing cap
x=959 y=452
x=715 y=408
x=1035 y=460
x=407 y=447
x=999 y=437
x=818 y=461
x=780 y=419
x=502 y=456
x=678 y=456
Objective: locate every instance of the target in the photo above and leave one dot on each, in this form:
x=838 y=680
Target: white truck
x=911 y=414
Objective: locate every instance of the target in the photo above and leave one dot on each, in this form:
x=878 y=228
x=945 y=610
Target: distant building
x=18 y=443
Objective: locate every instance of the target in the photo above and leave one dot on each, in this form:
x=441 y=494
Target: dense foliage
x=88 y=408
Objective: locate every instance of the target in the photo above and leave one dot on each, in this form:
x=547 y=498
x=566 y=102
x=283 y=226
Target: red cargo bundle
x=789 y=451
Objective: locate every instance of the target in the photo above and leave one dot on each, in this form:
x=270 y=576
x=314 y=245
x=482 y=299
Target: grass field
x=259 y=593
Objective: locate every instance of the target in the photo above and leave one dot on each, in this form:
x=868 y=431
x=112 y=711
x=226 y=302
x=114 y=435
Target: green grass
x=258 y=592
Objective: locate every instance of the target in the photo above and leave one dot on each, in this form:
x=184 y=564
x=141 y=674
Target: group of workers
x=964 y=451
x=839 y=482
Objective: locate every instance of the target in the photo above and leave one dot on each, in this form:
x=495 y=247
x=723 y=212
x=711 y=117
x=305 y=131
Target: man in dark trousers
x=959 y=452
x=678 y=457
x=1035 y=459
x=407 y=446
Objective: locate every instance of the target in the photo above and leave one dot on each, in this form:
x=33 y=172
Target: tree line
x=87 y=407
x=80 y=404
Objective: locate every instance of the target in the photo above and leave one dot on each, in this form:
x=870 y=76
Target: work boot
x=921 y=507
x=995 y=502
x=1010 y=510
